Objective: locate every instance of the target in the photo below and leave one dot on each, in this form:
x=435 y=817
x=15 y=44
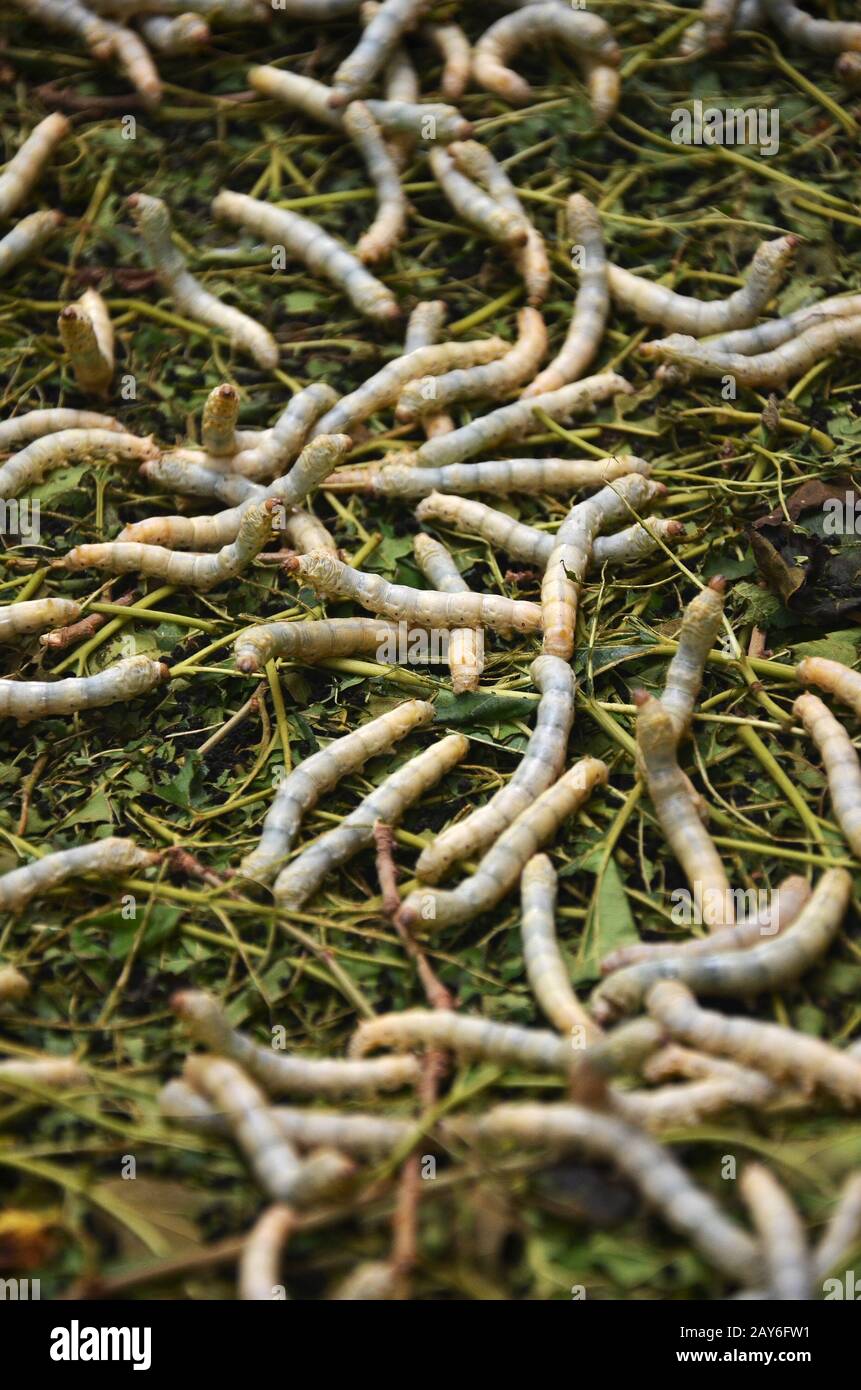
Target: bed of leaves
x=102 y=976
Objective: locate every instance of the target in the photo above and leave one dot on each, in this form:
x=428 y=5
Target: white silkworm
x=500 y=868
x=133 y=58
x=400 y=85
x=684 y=314
x=69 y=17
x=309 y=642
x=539 y=768
x=27 y=467
x=22 y=619
x=373 y=1281
x=454 y=48
x=841 y=764
x=320 y=252
x=34 y=424
x=125 y=680
x=299 y=93
x=502 y=531
x=279 y=446
x=504 y=1043
x=718 y=20
x=843 y=1231
x=591 y=306
x=88 y=337
x=422 y=607
x=768 y=965
x=24 y=169
x=26 y=237
x=498 y=476
x=682 y=1107
x=153 y=222
x=788 y=1270
x=540 y=23
x=260 y=1261
x=388 y=227
x=774 y=332
x=841 y=682
x=820 y=35
x=185 y=33
x=476 y=161
x=280 y=1074
x=490 y=382
x=423 y=328
x=304 y=532
x=107 y=858
x=603 y=86
x=218 y=424
x=179 y=471
x=179 y=567
x=302 y=788
x=315 y=463
x=511 y=422
x=475 y=206
x=13 y=985
x=774 y=369
x=387 y=803
x=663 y=1182
x=376 y=45
x=701 y=623
x=423 y=120
x=52 y=1073
x=465 y=645
x=545 y=968
x=780 y=1052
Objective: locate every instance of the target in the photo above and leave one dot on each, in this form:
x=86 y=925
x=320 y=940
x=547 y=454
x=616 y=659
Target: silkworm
x=34 y=424
x=503 y=1043
x=309 y=642
x=591 y=305
x=502 y=531
x=847 y=69
x=87 y=335
x=22 y=619
x=545 y=968
x=13 y=985
x=107 y=858
x=376 y=45
x=454 y=48
x=498 y=476
x=281 y=1074
x=279 y=446
x=260 y=1261
x=315 y=463
x=466 y=645
x=767 y=1047
x=24 y=168
x=675 y=1060
x=718 y=19
x=682 y=1107
x=299 y=93
x=819 y=35
x=500 y=868
x=476 y=161
x=422 y=607
x=774 y=332
x=683 y=314
x=843 y=1231
x=302 y=788
x=548 y=23
x=125 y=680
x=27 y=467
x=841 y=682
x=388 y=227
x=539 y=768
x=423 y=328
x=677 y=813
x=387 y=803
x=603 y=86
x=179 y=567
x=152 y=220
x=70 y=17
x=54 y=1073
x=662 y=1182
x=701 y=623
x=474 y=205
x=788 y=1270
x=184 y=33
x=489 y=382
x=841 y=764
x=775 y=368
x=179 y=471
x=26 y=237
x=218 y=425
x=133 y=58
x=512 y=422
x=430 y=120
x=320 y=252
x=304 y=532
x=768 y=965
x=373 y=1281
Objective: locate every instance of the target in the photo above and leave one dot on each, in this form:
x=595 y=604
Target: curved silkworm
x=684 y=314
x=843 y=1231
x=22 y=619
x=179 y=567
x=839 y=680
x=488 y=382
x=260 y=1261
x=498 y=476
x=400 y=85
x=30 y=464
x=320 y=252
x=541 y=765
x=701 y=623
x=179 y=471
x=300 y=93
x=774 y=332
x=500 y=868
x=682 y=1107
x=26 y=237
x=475 y=206
x=531 y=260
x=603 y=86
x=424 y=328
x=379 y=40
x=35 y=424
x=454 y=48
x=503 y=1043
x=503 y=532
x=24 y=169
x=767 y=1047
x=133 y=58
x=788 y=1270
x=546 y=970
x=465 y=645
x=419 y=118
x=388 y=227
x=125 y=680
x=423 y=607
x=184 y=33
x=53 y=1073
x=819 y=35
x=88 y=337
x=591 y=306
x=315 y=463
x=304 y=532
x=386 y=803
x=152 y=220
x=69 y=18
x=841 y=764
x=13 y=985
x=277 y=447
x=769 y=965
x=774 y=369
x=109 y=858
x=309 y=642
x=302 y=788
x=374 y=1281
x=540 y=23
x=281 y=1074
x=218 y=424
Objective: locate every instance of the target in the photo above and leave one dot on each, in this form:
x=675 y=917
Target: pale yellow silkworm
x=773 y=332
x=107 y=858
x=300 y=93
x=88 y=337
x=841 y=764
x=839 y=680
x=782 y=1053
x=24 y=168
x=498 y=476
x=320 y=252
x=683 y=1107
x=819 y=35
x=181 y=471
x=424 y=328
x=718 y=20
x=260 y=1261
x=13 y=986
x=465 y=644
x=133 y=58
x=184 y=33
x=23 y=619
x=27 y=467
x=591 y=306
x=26 y=237
x=506 y=1044
x=301 y=788
x=454 y=48
x=847 y=69
x=378 y=41
x=191 y=298
x=52 y=1073
x=304 y=532
x=774 y=369
x=546 y=970
x=283 y=1074
x=603 y=86
x=675 y=1060
x=474 y=205
x=500 y=868
x=277 y=447
x=176 y=566
x=386 y=803
x=34 y=424
x=843 y=1231
x=489 y=382
x=125 y=680
x=373 y=1281
x=400 y=85
x=68 y=17
x=701 y=623
x=788 y=1268
x=423 y=607
x=531 y=260
x=541 y=765
x=218 y=424
x=312 y=641
x=388 y=227
x=575 y=31
x=432 y=121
